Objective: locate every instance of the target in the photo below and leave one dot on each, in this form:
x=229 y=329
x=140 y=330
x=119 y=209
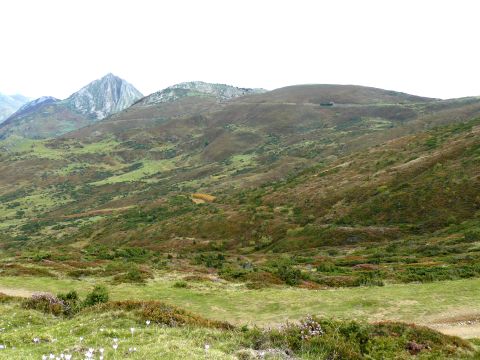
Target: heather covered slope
x=287 y=177
x=417 y=184
x=406 y=210
x=218 y=206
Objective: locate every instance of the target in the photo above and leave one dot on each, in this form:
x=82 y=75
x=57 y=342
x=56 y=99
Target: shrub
x=79 y=273
x=98 y=295
x=328 y=339
x=46 y=303
x=472 y=236
x=326 y=266
x=71 y=302
x=230 y=273
x=289 y=274
x=180 y=284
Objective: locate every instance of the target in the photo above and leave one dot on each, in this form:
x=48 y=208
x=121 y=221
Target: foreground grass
x=419 y=303
x=58 y=335
x=121 y=333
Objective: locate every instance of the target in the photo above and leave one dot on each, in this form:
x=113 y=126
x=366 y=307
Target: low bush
x=350 y=340
x=180 y=284
x=67 y=304
x=71 y=302
x=134 y=275
x=47 y=303
x=98 y=295
x=472 y=236
x=289 y=274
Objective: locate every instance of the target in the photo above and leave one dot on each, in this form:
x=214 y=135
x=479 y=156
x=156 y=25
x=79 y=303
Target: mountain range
x=48 y=116
x=9 y=104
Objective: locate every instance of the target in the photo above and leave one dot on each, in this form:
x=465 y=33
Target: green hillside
x=278 y=195
x=288 y=178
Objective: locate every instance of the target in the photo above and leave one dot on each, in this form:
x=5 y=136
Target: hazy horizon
x=54 y=48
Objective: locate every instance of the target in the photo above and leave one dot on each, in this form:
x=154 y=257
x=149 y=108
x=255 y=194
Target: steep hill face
x=50 y=117
x=9 y=104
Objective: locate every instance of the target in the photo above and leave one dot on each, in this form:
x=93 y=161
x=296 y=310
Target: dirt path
x=16 y=292
x=463 y=331
x=465 y=325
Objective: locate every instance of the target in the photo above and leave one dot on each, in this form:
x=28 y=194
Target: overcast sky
x=428 y=48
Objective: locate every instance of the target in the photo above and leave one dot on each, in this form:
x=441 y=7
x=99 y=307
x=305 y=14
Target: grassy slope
x=196 y=145
x=98 y=329
x=419 y=303
x=400 y=212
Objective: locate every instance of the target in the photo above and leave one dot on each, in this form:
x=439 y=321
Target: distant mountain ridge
x=31 y=107
x=49 y=117
x=221 y=92
x=9 y=104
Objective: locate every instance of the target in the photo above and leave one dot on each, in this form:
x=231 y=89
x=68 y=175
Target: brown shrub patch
x=19 y=270
x=162 y=313
x=264 y=277
x=199 y=278
x=365 y=267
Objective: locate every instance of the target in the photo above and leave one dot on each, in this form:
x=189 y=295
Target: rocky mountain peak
x=221 y=92
x=104 y=96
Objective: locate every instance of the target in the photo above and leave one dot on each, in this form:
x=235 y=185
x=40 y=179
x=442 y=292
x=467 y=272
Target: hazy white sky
x=422 y=47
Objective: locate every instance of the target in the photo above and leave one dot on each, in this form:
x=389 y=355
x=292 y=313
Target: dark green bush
x=472 y=235
x=98 y=295
x=71 y=302
x=289 y=274
x=180 y=284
